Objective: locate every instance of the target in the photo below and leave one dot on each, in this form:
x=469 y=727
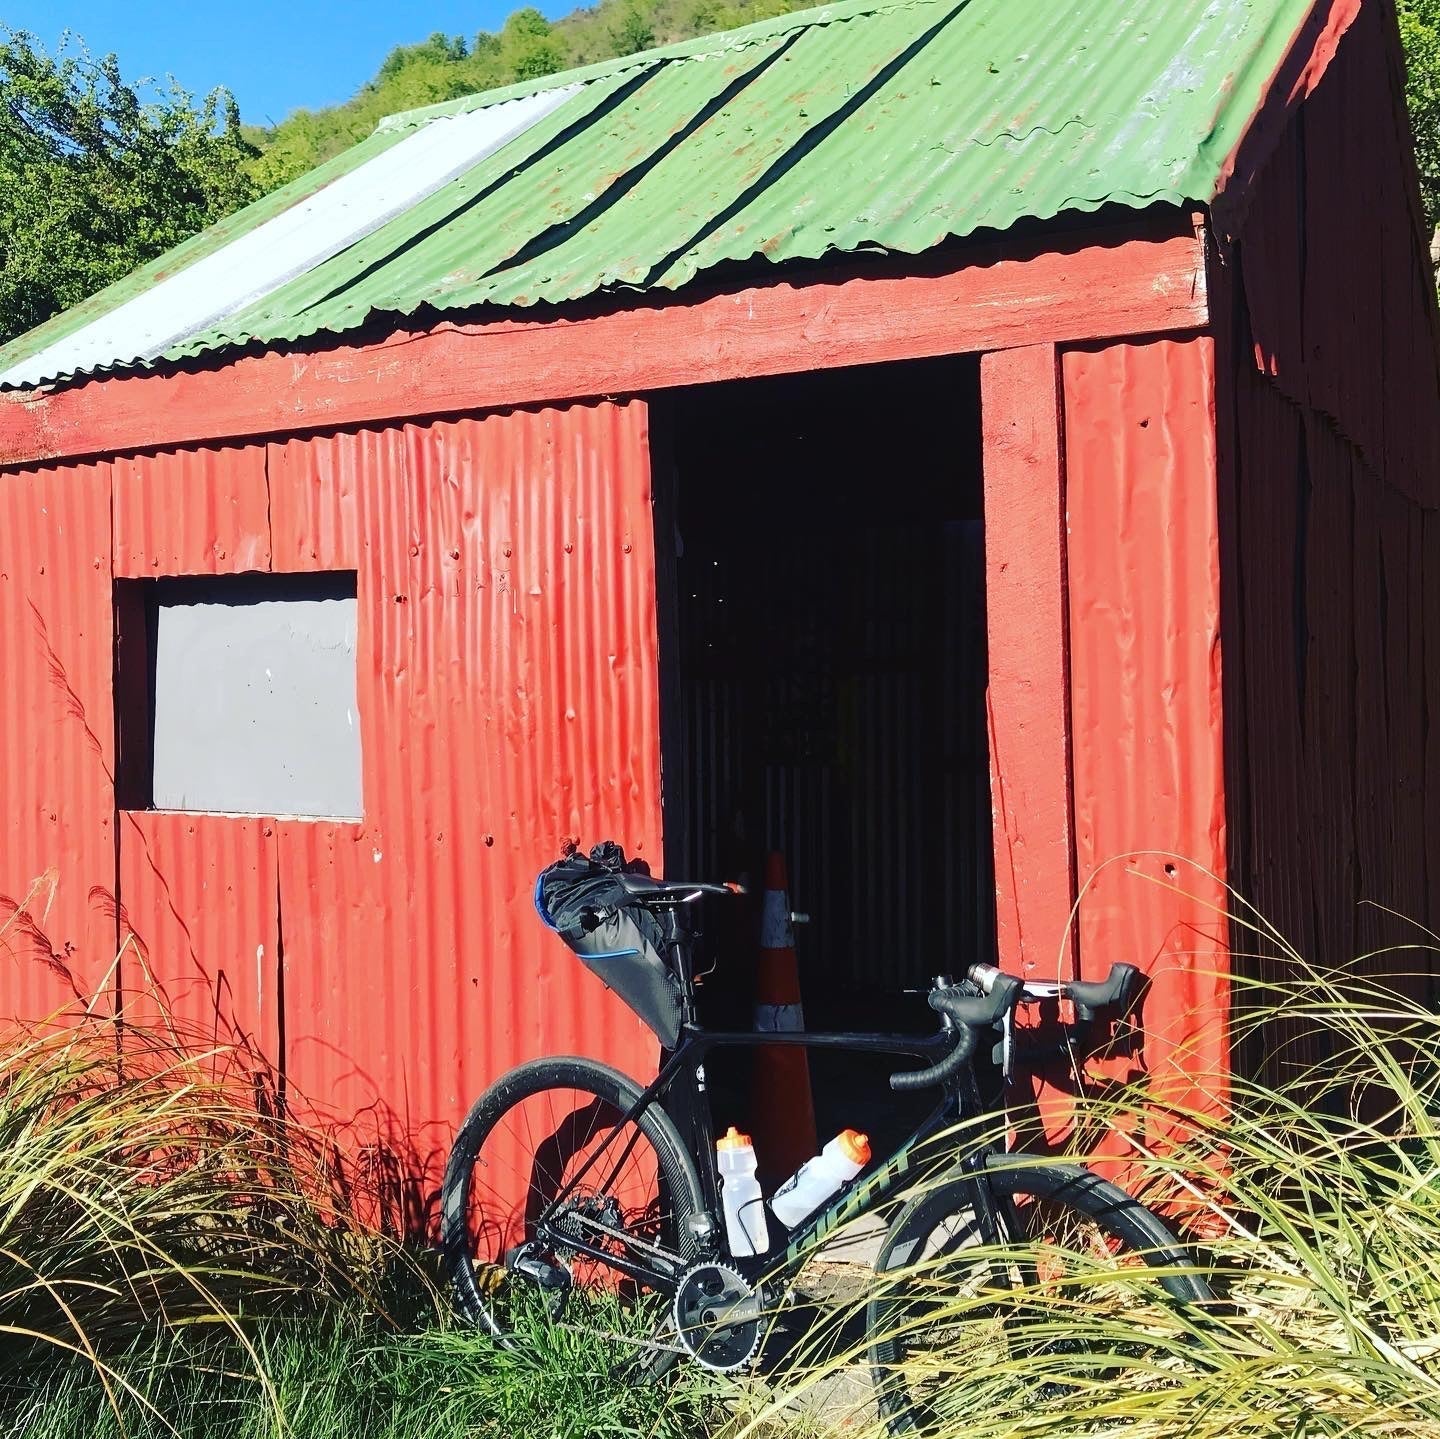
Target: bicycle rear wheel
x=1010 y=1299
x=506 y=1212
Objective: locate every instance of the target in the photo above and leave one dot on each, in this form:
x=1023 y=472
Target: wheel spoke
x=545 y=1157
x=1065 y=1298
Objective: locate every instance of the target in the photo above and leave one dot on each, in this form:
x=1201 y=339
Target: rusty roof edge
x=1313 y=48
x=1292 y=79
x=700 y=47
x=1075 y=207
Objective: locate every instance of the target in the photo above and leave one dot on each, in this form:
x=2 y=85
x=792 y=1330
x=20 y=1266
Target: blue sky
x=276 y=55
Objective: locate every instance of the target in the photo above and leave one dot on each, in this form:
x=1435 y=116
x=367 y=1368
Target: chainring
x=717 y=1316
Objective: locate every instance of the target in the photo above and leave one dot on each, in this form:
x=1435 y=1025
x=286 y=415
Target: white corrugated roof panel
x=306 y=235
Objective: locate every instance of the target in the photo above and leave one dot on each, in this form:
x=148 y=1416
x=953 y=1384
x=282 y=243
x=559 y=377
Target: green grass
x=177 y=1258
x=1314 y=1203
x=345 y=1375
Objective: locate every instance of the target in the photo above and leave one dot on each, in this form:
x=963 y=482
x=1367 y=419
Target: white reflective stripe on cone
x=774 y=1018
x=775 y=930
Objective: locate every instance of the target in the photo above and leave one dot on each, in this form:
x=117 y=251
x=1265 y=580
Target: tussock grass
x=177 y=1256
x=1311 y=1203
x=180 y=1256
x=155 y=1197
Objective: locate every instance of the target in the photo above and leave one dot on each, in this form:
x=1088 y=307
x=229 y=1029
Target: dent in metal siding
x=196 y=511
x=314 y=505
x=508 y=701
x=57 y=841
x=1145 y=685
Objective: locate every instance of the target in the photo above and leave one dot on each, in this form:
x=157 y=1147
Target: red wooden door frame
x=1028 y=697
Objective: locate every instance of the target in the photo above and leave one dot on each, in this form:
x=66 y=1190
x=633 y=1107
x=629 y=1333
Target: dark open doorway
x=823 y=655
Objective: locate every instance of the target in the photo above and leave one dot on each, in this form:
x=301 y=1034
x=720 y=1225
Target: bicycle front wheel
x=1015 y=1288
x=546 y=1156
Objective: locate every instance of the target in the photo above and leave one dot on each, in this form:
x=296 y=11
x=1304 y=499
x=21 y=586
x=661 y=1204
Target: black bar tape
x=941 y=1070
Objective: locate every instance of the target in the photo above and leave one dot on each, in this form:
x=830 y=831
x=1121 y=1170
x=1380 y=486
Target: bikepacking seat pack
x=616 y=937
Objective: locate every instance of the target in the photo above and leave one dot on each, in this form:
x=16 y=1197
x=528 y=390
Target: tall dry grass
x=1311 y=1202
x=153 y=1186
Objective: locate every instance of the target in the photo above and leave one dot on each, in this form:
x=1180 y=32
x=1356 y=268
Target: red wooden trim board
x=1101 y=283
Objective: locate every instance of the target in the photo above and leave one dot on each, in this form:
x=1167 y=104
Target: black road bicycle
x=568 y=1175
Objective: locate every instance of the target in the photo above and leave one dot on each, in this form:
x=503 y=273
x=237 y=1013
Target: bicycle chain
x=651 y=1344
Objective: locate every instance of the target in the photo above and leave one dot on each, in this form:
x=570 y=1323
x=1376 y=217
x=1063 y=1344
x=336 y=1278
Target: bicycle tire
x=677 y=1184
x=1041 y=1191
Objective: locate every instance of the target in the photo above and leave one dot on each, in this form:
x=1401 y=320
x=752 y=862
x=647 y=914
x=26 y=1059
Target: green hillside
x=527 y=45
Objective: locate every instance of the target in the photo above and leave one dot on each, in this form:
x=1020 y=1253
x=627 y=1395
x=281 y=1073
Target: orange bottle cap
x=733 y=1139
x=854 y=1146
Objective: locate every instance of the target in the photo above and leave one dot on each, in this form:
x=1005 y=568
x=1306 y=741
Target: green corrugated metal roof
x=860 y=126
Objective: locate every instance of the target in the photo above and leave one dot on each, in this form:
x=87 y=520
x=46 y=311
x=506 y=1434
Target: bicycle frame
x=685 y=1104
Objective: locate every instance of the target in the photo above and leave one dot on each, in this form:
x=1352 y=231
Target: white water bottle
x=817 y=1179
x=740 y=1195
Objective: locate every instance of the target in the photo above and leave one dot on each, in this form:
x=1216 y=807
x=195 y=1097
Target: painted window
x=236 y=695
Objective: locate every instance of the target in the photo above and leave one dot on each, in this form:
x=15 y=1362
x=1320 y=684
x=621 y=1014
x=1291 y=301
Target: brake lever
x=1007 y=1045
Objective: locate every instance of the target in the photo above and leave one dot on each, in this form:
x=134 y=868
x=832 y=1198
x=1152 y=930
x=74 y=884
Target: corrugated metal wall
x=57 y=824
x=508 y=699
x=1330 y=460
x=1145 y=673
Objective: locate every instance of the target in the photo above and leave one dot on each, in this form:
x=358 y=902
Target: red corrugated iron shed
x=1141 y=602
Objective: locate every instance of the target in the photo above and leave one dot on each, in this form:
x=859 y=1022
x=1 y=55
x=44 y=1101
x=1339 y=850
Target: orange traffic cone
x=781 y=1107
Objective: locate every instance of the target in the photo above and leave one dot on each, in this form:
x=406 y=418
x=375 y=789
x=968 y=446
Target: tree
x=95 y=180
x=529 y=46
x=1420 y=35
x=634 y=33
x=440 y=48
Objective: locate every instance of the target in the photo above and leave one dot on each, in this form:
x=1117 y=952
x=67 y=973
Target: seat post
x=677 y=941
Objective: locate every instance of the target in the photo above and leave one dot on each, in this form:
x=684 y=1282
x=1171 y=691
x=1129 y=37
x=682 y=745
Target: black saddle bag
x=583 y=900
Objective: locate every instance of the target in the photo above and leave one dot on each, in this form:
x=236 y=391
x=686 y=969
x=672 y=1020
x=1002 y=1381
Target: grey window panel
x=254 y=706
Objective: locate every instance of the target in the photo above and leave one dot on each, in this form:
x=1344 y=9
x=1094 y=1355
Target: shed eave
x=1144 y=277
